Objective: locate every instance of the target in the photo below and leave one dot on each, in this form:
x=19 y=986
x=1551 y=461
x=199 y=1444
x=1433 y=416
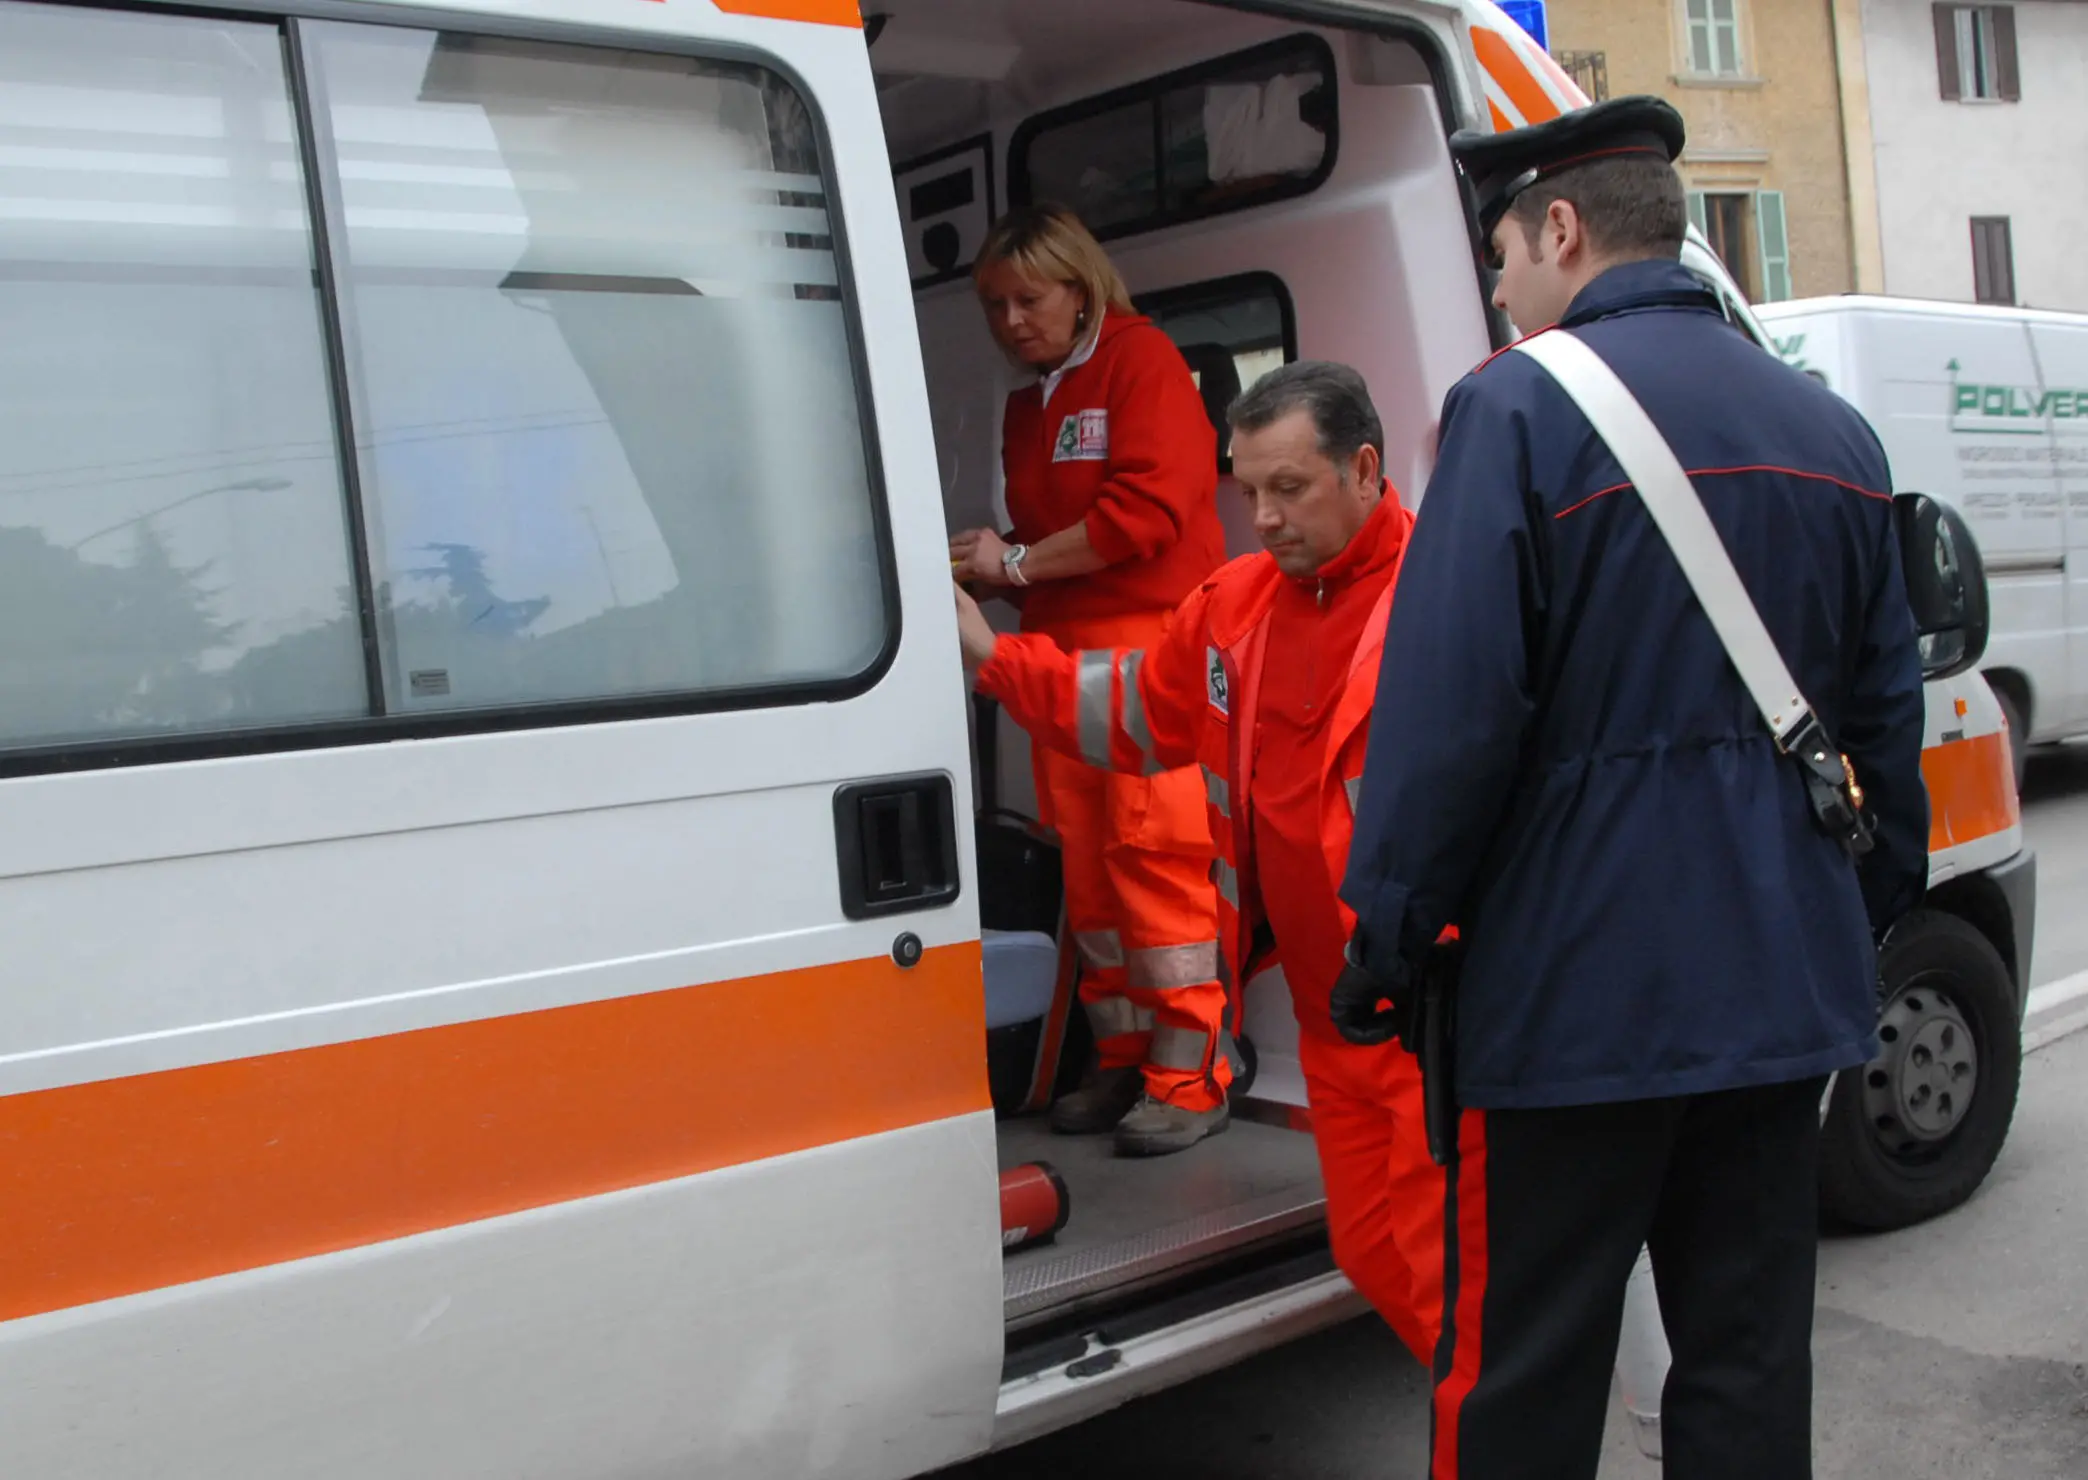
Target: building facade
x=1979 y=128
x=1759 y=83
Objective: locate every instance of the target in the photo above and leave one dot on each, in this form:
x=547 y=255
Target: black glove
x=1368 y=1008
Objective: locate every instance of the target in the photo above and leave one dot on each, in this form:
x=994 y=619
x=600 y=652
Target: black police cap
x=1503 y=166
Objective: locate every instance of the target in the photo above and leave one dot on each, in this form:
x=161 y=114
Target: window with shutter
x=1976 y=53
x=1725 y=220
x=1993 y=260
x=1713 y=28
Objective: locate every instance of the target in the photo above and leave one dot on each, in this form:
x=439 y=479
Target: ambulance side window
x=1261 y=125
x=434 y=382
x=174 y=556
x=1232 y=331
x=606 y=418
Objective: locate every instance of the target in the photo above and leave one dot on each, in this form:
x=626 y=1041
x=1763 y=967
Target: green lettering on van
x=1974 y=407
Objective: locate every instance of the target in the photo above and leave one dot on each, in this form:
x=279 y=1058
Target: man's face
x=1536 y=286
x=1306 y=507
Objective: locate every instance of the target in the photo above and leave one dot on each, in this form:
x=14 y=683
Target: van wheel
x=1915 y=1131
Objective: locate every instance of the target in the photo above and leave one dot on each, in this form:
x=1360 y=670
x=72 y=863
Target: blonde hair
x=1050 y=244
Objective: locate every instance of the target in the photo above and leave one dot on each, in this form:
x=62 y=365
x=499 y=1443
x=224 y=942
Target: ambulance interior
x=1270 y=191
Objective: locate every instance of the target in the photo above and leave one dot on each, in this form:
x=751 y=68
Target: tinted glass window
x=605 y=410
x=173 y=540
x=1232 y=332
x=1242 y=131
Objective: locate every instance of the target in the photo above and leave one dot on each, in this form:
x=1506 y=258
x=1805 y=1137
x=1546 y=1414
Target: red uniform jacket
x=1125 y=448
x=1194 y=699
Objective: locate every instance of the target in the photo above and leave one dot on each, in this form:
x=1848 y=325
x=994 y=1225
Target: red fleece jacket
x=1123 y=447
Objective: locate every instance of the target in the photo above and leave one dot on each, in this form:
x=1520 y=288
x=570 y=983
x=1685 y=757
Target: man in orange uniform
x=1112 y=469
x=1266 y=677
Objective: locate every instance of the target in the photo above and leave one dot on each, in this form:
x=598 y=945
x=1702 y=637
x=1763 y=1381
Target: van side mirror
x=1946 y=584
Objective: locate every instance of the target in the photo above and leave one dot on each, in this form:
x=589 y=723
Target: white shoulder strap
x=1664 y=488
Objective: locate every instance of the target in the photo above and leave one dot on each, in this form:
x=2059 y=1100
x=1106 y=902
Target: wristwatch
x=1011 y=562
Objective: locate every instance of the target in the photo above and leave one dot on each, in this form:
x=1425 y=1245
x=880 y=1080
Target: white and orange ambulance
x=490 y=904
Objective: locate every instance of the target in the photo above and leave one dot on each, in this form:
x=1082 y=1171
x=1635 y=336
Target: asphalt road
x=1957 y=1349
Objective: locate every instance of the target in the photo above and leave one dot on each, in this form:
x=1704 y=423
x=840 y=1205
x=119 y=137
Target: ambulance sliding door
x=491 y=978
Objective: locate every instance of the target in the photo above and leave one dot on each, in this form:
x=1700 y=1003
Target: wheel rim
x=1919 y=1090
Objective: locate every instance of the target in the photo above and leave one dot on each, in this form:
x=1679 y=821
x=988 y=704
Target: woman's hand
x=976 y=555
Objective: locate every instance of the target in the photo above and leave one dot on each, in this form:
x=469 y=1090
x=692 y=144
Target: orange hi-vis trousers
x=1137 y=856
x=1384 y=1192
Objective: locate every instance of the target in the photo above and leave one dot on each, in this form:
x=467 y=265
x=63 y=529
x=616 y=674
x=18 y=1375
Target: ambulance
x=1985 y=408
x=520 y=957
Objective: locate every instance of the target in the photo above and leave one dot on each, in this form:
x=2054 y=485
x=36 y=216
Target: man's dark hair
x=1632 y=207
x=1335 y=395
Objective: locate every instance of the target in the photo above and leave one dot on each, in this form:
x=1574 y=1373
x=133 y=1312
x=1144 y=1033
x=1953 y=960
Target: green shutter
x=1696 y=213
x=1776 y=249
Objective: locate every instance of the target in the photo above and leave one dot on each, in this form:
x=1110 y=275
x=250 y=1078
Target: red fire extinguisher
x=1034 y=1205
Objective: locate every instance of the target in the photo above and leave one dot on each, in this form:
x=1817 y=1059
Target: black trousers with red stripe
x=1546 y=1212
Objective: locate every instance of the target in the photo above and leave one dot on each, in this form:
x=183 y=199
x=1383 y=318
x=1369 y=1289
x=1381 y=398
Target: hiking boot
x=1156 y=1128
x=1099 y=1103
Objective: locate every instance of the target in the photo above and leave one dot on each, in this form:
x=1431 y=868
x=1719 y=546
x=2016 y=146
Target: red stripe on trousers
x=1471 y=1291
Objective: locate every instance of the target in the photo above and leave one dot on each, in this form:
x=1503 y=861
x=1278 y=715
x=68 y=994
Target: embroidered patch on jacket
x=1215 y=682
x=1083 y=437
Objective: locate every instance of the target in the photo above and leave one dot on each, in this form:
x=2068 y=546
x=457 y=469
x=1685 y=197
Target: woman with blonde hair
x=1111 y=467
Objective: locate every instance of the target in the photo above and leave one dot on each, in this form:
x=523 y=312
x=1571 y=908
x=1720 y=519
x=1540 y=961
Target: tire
x=1902 y=1143
x=2018 y=731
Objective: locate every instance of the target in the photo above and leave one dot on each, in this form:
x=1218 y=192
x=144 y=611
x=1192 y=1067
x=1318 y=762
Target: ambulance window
x=1232 y=331
x=174 y=555
x=606 y=413
x=1242 y=131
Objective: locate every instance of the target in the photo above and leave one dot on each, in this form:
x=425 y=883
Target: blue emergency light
x=1529 y=14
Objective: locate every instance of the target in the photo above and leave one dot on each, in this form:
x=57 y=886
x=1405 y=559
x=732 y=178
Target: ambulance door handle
x=896 y=843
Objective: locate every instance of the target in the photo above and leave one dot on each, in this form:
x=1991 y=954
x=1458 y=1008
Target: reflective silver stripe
x=1179 y=1048
x=1160 y=968
x=1101 y=949
x=1227 y=881
x=1129 y=667
x=1094 y=708
x=1113 y=1017
x=1354 y=787
x=1218 y=792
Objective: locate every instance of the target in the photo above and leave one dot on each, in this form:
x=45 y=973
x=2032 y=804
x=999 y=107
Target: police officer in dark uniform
x=1664 y=952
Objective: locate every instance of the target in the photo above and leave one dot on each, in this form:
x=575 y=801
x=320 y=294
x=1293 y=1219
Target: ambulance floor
x=1133 y=1221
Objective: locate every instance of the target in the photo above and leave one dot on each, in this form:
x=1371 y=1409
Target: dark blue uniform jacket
x=1563 y=762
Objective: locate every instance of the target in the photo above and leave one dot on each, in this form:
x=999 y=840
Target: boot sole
x=1168 y=1143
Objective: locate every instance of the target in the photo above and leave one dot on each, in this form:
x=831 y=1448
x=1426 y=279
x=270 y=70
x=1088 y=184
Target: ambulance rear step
x=1137 y=1223
x=1044 y=1284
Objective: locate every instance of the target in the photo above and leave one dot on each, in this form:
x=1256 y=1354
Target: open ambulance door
x=501 y=996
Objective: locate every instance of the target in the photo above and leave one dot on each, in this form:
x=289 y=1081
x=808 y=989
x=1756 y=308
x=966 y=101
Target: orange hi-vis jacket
x=1193 y=698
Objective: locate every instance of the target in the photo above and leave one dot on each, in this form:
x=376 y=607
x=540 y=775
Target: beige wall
x=1778 y=127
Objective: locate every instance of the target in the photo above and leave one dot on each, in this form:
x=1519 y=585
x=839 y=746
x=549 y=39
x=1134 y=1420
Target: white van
x=1987 y=409
x=491 y=900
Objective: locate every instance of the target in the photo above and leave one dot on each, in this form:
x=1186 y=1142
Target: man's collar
x=1658 y=283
